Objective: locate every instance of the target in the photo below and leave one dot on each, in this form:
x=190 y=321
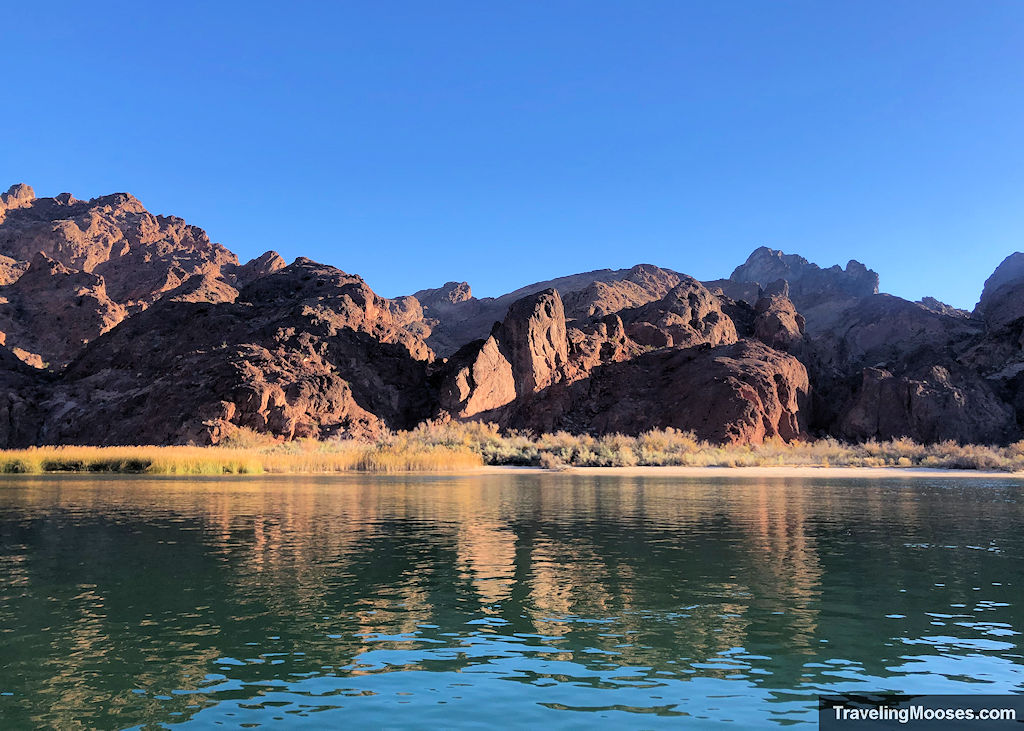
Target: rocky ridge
x=83 y=266
x=118 y=326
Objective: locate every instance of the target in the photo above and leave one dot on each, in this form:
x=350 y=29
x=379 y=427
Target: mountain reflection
x=132 y=601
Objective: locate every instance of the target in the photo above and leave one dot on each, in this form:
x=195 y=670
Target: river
x=518 y=599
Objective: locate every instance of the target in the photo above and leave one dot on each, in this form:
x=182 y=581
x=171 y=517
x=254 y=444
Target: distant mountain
x=118 y=326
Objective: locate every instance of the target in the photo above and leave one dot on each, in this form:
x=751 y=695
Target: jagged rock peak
x=17 y=193
x=266 y=263
x=930 y=303
x=448 y=294
x=766 y=265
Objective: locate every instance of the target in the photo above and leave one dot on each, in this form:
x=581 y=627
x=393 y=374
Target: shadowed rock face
x=931 y=405
x=308 y=351
x=821 y=295
x=533 y=335
x=688 y=315
x=1001 y=306
x=777 y=323
x=806 y=280
x=456 y=318
x=527 y=373
x=21 y=388
x=744 y=392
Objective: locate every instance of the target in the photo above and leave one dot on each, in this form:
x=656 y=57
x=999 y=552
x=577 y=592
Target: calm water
x=544 y=600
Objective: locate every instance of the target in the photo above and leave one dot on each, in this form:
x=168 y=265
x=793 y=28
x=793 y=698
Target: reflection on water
x=526 y=598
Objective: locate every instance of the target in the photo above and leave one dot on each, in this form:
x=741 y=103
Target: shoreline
x=767 y=471
x=748 y=472
x=467 y=450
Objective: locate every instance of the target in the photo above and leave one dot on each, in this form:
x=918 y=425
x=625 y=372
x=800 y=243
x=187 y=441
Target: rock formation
x=744 y=392
x=672 y=362
x=119 y=326
x=455 y=317
x=526 y=352
x=821 y=295
x=806 y=280
x=308 y=351
x=104 y=259
x=777 y=323
x=930 y=405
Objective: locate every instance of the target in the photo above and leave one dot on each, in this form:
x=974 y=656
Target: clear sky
x=508 y=142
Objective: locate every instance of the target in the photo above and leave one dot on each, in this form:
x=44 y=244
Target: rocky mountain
x=119 y=326
x=71 y=270
x=307 y=351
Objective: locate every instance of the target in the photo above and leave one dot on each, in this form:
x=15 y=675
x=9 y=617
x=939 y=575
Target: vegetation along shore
x=455 y=447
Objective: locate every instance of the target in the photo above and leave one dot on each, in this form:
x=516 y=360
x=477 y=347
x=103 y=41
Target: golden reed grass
x=449 y=447
x=233 y=461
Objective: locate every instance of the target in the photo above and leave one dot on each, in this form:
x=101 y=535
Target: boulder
x=479 y=378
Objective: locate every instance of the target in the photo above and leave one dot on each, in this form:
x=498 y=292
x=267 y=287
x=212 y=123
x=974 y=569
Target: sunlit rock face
x=87 y=265
x=121 y=326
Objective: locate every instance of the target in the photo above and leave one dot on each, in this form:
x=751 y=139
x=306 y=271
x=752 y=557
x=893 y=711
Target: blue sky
x=508 y=142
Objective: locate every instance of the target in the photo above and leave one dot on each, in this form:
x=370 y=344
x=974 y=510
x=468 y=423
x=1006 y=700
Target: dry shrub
x=449 y=446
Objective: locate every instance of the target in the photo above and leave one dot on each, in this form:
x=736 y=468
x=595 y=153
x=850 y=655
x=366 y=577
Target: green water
x=531 y=599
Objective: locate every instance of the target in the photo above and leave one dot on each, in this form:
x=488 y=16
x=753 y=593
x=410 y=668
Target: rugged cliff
x=120 y=326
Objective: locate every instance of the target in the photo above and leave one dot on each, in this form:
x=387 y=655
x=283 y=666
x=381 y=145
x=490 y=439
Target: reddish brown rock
x=452 y=293
x=637 y=286
x=11 y=270
x=17 y=196
x=51 y=310
x=478 y=378
x=21 y=388
x=688 y=315
x=601 y=341
x=821 y=295
x=113 y=239
x=931 y=405
x=266 y=263
x=748 y=292
x=527 y=352
x=456 y=318
x=533 y=337
x=202 y=288
x=777 y=323
x=306 y=351
x=744 y=392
